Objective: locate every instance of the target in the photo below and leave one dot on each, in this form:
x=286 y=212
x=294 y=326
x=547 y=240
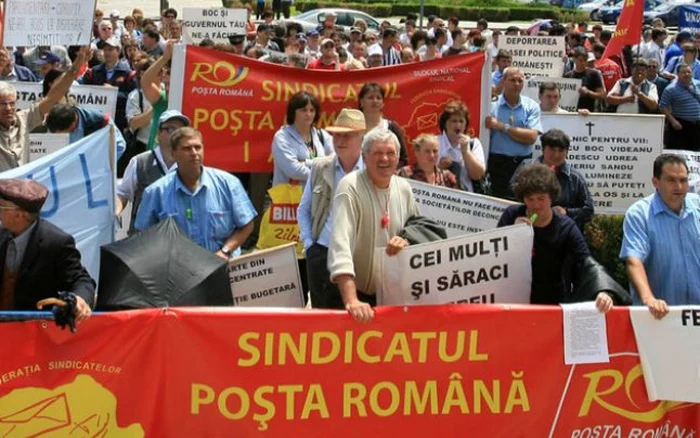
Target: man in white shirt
x=635 y=95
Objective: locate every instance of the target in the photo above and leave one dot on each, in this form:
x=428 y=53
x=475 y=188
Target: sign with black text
x=47 y=22
x=267 y=278
x=614 y=153
x=99 y=97
x=45 y=144
x=215 y=24
x=488 y=267
x=536 y=55
x=459 y=212
x=568 y=88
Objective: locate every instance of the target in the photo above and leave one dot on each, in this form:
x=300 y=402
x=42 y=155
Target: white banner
x=669 y=350
x=268 y=278
x=99 y=97
x=614 y=152
x=567 y=87
x=216 y=24
x=457 y=211
x=489 y=267
x=80 y=180
x=45 y=144
x=48 y=22
x=536 y=55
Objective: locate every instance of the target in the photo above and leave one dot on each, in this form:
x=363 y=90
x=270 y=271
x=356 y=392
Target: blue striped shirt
x=669 y=246
x=526 y=114
x=684 y=102
x=676 y=62
x=209 y=216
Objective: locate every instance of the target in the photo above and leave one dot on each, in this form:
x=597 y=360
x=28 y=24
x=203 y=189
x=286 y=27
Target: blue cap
x=173 y=114
x=47 y=58
x=312 y=32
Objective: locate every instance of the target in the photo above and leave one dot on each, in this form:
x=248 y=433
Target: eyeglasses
x=172 y=17
x=8 y=103
x=168 y=129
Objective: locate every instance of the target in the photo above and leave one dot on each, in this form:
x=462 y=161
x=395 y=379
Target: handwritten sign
x=48 y=22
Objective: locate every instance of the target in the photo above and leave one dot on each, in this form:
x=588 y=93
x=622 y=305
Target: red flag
x=629 y=28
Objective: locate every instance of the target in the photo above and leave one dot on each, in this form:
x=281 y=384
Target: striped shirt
x=667 y=243
x=391 y=57
x=684 y=102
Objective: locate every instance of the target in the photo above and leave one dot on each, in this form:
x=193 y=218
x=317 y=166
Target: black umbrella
x=161 y=267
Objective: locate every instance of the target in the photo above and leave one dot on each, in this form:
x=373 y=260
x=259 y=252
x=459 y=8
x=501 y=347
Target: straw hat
x=348 y=120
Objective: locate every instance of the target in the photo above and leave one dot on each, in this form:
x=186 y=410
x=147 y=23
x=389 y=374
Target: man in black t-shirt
x=592 y=87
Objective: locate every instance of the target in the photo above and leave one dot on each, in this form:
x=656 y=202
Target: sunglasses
x=168 y=129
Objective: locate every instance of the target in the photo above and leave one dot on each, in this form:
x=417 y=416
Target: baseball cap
x=114 y=42
x=355 y=30
x=173 y=114
x=312 y=33
x=326 y=41
x=375 y=49
x=47 y=58
x=114 y=13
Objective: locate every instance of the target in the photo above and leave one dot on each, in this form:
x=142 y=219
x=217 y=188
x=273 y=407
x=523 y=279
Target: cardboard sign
x=489 y=267
x=459 y=212
x=567 y=87
x=99 y=97
x=615 y=153
x=45 y=144
x=536 y=55
x=216 y=24
x=268 y=278
x=48 y=22
x=669 y=350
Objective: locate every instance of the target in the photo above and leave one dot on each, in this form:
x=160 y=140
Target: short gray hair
x=379 y=135
x=7 y=89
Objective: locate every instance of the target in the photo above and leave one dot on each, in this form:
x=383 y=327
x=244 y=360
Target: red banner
x=421 y=371
x=239 y=103
x=629 y=28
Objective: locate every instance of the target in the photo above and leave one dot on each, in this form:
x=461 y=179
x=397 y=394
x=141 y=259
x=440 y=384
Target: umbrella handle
x=50 y=302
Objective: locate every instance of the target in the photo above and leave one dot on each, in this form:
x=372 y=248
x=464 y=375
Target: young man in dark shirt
x=592 y=87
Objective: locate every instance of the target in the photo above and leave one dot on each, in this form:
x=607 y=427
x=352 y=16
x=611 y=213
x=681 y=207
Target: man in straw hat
x=37 y=259
x=315 y=210
x=370 y=208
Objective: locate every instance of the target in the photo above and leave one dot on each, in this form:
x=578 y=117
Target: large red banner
x=239 y=103
x=442 y=371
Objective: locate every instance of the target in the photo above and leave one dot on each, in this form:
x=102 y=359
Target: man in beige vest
x=315 y=213
x=370 y=208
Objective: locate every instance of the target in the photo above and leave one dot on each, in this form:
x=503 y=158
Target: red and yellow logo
x=221 y=74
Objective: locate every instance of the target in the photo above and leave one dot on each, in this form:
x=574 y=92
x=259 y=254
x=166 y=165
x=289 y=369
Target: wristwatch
x=226 y=250
x=506 y=127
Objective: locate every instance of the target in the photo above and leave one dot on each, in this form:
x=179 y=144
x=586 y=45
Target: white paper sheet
x=585 y=335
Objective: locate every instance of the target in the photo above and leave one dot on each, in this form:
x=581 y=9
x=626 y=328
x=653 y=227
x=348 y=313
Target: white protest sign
x=536 y=55
x=669 y=349
x=614 y=152
x=692 y=159
x=489 y=267
x=216 y=24
x=45 y=144
x=98 y=97
x=268 y=278
x=457 y=211
x=567 y=87
x=48 y=22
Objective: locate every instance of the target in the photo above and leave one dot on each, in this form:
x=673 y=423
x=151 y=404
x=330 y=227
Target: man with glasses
x=654 y=77
x=37 y=259
x=315 y=209
x=15 y=126
x=148 y=167
x=106 y=31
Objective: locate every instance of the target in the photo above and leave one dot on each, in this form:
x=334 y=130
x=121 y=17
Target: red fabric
x=629 y=28
x=611 y=72
x=317 y=64
x=239 y=137
x=425 y=371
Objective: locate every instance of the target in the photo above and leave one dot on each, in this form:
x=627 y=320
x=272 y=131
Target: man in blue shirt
x=209 y=205
x=503 y=60
x=680 y=103
x=660 y=244
x=515 y=124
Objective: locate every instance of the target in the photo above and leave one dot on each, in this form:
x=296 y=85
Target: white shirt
x=127 y=187
x=133 y=110
x=633 y=108
x=455 y=153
